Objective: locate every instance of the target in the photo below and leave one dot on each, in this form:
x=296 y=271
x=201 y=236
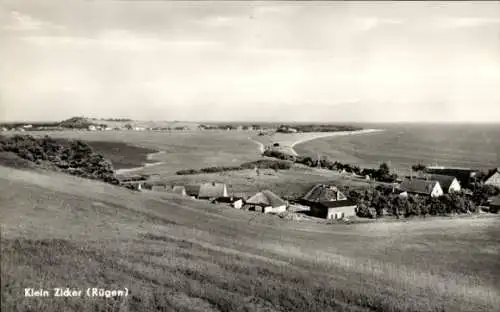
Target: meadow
x=403 y=145
x=177 y=150
x=176 y=254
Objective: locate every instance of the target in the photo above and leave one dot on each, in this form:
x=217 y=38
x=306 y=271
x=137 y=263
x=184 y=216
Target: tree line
x=259 y=164
x=73 y=157
x=381 y=174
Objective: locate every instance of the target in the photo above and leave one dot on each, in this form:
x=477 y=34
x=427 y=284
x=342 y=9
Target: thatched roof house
x=266 y=201
x=213 y=190
x=463 y=175
x=323 y=193
x=421 y=187
x=493 y=178
x=328 y=202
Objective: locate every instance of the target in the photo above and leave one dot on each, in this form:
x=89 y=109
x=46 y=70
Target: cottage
x=326 y=201
x=494 y=178
x=238 y=200
x=421 y=187
x=449 y=184
x=180 y=190
x=213 y=191
x=92 y=128
x=266 y=201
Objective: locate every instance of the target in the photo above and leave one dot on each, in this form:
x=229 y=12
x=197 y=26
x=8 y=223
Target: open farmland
x=176 y=254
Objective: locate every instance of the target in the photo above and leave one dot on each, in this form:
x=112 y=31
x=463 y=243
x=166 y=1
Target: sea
x=475 y=146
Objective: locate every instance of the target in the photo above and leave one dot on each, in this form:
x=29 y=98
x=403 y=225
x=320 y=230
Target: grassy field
x=180 y=149
x=176 y=254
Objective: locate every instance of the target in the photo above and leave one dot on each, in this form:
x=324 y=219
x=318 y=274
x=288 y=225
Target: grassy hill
x=175 y=254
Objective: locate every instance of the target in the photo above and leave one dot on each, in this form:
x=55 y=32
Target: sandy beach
x=288 y=141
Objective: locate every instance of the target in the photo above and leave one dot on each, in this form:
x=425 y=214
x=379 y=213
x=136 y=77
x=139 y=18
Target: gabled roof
x=493 y=172
x=323 y=193
x=445 y=181
x=463 y=175
x=212 y=190
x=192 y=189
x=266 y=198
x=418 y=186
x=243 y=196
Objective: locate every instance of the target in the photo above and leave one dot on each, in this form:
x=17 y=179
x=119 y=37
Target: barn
x=192 y=190
x=266 y=201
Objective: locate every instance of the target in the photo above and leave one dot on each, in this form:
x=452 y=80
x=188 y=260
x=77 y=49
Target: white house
x=92 y=128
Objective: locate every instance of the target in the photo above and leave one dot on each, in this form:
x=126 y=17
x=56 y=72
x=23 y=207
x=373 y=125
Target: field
x=404 y=145
x=176 y=254
x=179 y=149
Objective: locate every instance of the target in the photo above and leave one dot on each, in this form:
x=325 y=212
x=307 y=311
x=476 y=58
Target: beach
x=287 y=141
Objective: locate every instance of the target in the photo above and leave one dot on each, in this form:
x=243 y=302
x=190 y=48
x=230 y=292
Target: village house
x=213 y=191
x=92 y=128
x=326 y=201
x=266 y=202
x=420 y=187
x=493 y=179
x=449 y=184
x=464 y=175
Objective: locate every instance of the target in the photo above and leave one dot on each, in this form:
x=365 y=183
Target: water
x=403 y=145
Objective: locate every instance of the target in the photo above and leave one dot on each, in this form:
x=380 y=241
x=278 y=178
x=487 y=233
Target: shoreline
x=144 y=166
x=319 y=135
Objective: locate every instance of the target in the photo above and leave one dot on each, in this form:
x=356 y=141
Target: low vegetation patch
x=73 y=157
x=316 y=128
x=259 y=164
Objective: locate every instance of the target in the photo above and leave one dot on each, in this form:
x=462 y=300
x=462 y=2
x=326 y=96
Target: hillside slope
x=175 y=254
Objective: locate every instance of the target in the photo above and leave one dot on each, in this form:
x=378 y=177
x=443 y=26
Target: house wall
x=278 y=209
x=437 y=191
x=238 y=204
x=342 y=212
x=455 y=186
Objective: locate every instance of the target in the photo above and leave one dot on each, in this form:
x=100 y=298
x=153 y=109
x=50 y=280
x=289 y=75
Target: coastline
x=306 y=137
x=146 y=165
x=320 y=135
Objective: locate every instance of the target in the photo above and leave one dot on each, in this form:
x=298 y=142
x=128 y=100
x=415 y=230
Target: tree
x=384 y=169
x=418 y=167
x=128 y=126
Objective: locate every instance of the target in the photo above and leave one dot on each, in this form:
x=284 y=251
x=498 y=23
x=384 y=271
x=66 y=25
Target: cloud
x=368 y=23
x=24 y=22
x=119 y=40
x=463 y=22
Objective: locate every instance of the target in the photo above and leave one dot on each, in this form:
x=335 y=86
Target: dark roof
x=266 y=198
x=418 y=186
x=445 y=181
x=463 y=175
x=212 y=190
x=243 y=196
x=321 y=193
x=192 y=189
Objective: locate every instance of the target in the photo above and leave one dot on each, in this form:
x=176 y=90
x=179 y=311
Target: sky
x=250 y=61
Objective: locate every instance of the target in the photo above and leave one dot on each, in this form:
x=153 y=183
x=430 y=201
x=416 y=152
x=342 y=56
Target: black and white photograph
x=252 y=156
